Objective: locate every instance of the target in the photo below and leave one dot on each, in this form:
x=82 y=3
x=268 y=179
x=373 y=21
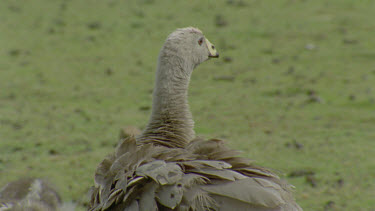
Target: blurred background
x=293 y=88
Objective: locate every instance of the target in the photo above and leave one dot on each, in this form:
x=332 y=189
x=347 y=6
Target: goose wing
x=204 y=175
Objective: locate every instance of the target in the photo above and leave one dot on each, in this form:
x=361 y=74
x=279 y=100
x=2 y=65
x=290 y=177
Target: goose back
x=203 y=175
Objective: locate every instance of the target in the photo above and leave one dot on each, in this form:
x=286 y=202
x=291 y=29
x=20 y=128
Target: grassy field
x=294 y=88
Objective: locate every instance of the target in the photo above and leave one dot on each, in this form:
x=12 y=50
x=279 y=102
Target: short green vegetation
x=294 y=88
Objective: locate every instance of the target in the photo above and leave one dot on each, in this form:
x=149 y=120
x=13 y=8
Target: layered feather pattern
x=203 y=175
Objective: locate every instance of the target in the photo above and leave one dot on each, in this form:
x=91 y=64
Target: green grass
x=72 y=73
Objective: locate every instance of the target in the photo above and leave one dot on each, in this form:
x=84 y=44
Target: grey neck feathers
x=171 y=123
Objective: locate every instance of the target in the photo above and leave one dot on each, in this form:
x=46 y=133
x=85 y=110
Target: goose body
x=29 y=194
x=167 y=168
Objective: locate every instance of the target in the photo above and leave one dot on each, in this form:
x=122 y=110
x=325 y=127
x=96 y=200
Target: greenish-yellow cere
x=211 y=48
x=293 y=88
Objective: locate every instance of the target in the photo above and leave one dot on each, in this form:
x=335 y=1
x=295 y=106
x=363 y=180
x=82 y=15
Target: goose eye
x=200 y=41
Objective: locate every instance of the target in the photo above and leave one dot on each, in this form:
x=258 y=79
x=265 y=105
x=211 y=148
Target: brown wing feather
x=203 y=175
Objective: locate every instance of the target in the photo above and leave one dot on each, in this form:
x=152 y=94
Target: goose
x=167 y=167
x=31 y=194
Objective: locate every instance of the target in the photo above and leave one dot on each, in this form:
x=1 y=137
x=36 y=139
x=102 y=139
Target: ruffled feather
x=204 y=175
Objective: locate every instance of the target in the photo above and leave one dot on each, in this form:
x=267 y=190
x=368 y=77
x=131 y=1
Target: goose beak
x=212 y=50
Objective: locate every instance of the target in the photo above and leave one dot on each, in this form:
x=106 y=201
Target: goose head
x=190 y=46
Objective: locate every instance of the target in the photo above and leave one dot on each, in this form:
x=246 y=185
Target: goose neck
x=171 y=123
